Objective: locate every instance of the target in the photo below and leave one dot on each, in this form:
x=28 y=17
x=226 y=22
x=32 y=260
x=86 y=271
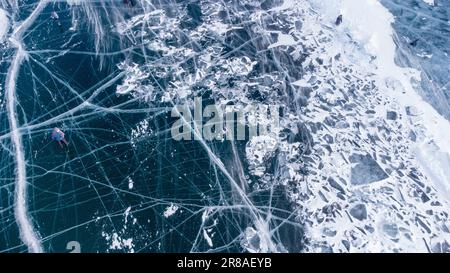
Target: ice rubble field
x=358 y=163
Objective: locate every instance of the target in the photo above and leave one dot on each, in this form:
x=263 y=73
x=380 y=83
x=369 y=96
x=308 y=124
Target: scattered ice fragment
x=219 y=27
x=134 y=82
x=338 y=20
x=118 y=243
x=302 y=83
x=258 y=151
x=283 y=40
x=412 y=111
x=127 y=212
x=391 y=115
x=251 y=241
x=170 y=210
x=205 y=214
x=130 y=183
x=260 y=148
x=366 y=170
x=239 y=66
x=207 y=238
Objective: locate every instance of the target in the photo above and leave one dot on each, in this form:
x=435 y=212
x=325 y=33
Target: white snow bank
x=369 y=23
x=4 y=24
x=435 y=165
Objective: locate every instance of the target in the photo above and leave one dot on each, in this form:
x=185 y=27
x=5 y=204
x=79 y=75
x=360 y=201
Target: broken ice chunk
x=339 y=20
x=366 y=170
x=359 y=211
x=336 y=185
x=390 y=229
x=251 y=240
x=412 y=111
x=391 y=115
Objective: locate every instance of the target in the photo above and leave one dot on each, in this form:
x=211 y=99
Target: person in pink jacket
x=59 y=136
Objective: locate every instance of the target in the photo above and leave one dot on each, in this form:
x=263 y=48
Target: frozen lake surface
x=358 y=161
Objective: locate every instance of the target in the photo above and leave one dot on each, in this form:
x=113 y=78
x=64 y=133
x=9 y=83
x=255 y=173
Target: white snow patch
x=239 y=66
x=170 y=210
x=373 y=29
x=205 y=214
x=130 y=183
x=207 y=238
x=283 y=40
x=258 y=151
x=118 y=243
x=4 y=24
x=132 y=80
x=127 y=212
